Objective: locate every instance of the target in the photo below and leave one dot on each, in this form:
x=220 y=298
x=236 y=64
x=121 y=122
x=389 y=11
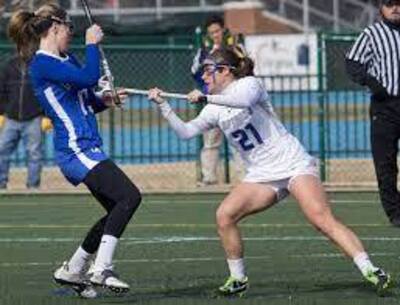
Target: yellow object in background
x=2 y=120
x=46 y=124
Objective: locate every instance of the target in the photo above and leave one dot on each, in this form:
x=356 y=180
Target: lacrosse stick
x=165 y=94
x=104 y=61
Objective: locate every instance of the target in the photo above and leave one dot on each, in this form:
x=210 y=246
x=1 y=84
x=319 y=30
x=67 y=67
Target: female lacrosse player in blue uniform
x=276 y=163
x=65 y=91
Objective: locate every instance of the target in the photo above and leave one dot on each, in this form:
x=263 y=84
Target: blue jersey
x=64 y=89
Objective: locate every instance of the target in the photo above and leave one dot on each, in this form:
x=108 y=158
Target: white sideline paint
x=202 y=259
x=162 y=202
x=185 y=225
x=183 y=201
x=184 y=239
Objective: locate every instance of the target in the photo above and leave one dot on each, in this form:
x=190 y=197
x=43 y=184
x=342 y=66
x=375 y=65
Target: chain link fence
x=346 y=149
x=136 y=137
x=327 y=112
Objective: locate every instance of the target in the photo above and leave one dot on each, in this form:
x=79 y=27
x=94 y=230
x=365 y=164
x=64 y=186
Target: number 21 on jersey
x=247 y=137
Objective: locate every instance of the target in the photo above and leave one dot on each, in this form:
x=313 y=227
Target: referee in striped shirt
x=374 y=61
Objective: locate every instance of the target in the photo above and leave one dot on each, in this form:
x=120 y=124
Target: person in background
x=374 y=62
x=21 y=119
x=217 y=37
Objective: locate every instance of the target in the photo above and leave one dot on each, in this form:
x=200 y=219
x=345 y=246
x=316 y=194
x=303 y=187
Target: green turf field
x=171 y=255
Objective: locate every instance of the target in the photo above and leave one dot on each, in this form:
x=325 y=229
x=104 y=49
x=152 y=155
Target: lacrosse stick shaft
x=104 y=61
x=165 y=94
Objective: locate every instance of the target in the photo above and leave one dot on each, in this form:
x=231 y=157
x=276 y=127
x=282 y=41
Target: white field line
x=353 y=201
x=202 y=259
x=186 y=239
x=203 y=201
x=162 y=202
x=182 y=225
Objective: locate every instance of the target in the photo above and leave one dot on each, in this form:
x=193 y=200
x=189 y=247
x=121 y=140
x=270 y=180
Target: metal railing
x=117 y=8
x=334 y=15
x=307 y=14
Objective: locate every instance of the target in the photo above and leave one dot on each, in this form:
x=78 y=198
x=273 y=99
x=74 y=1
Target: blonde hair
x=26 y=28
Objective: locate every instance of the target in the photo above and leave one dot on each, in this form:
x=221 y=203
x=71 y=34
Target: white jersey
x=251 y=126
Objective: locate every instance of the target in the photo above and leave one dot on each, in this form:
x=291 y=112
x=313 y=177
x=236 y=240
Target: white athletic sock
x=105 y=253
x=236 y=268
x=363 y=263
x=78 y=261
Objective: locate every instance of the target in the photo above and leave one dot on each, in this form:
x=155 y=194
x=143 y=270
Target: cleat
x=88 y=293
x=109 y=279
x=62 y=276
x=234 y=287
x=380 y=280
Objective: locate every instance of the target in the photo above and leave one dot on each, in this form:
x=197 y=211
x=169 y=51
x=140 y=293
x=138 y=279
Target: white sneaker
x=109 y=279
x=64 y=276
x=77 y=281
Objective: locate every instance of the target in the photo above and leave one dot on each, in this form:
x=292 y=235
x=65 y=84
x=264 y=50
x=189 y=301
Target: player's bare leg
x=311 y=196
x=244 y=199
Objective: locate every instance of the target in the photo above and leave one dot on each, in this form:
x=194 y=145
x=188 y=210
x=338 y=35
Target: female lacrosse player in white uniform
x=276 y=164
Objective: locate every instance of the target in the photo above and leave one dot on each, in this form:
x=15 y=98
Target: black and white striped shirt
x=378 y=50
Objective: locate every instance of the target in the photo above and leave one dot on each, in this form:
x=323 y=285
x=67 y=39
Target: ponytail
x=245 y=68
x=22 y=32
x=245 y=65
x=26 y=28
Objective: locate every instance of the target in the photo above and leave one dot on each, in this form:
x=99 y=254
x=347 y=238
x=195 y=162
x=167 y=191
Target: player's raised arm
x=81 y=77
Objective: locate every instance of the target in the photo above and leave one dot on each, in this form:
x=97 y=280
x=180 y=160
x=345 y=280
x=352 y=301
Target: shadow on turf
x=63 y=292
x=272 y=290
x=194 y=292
x=197 y=292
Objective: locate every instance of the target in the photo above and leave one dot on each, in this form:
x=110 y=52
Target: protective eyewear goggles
x=212 y=68
x=68 y=23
